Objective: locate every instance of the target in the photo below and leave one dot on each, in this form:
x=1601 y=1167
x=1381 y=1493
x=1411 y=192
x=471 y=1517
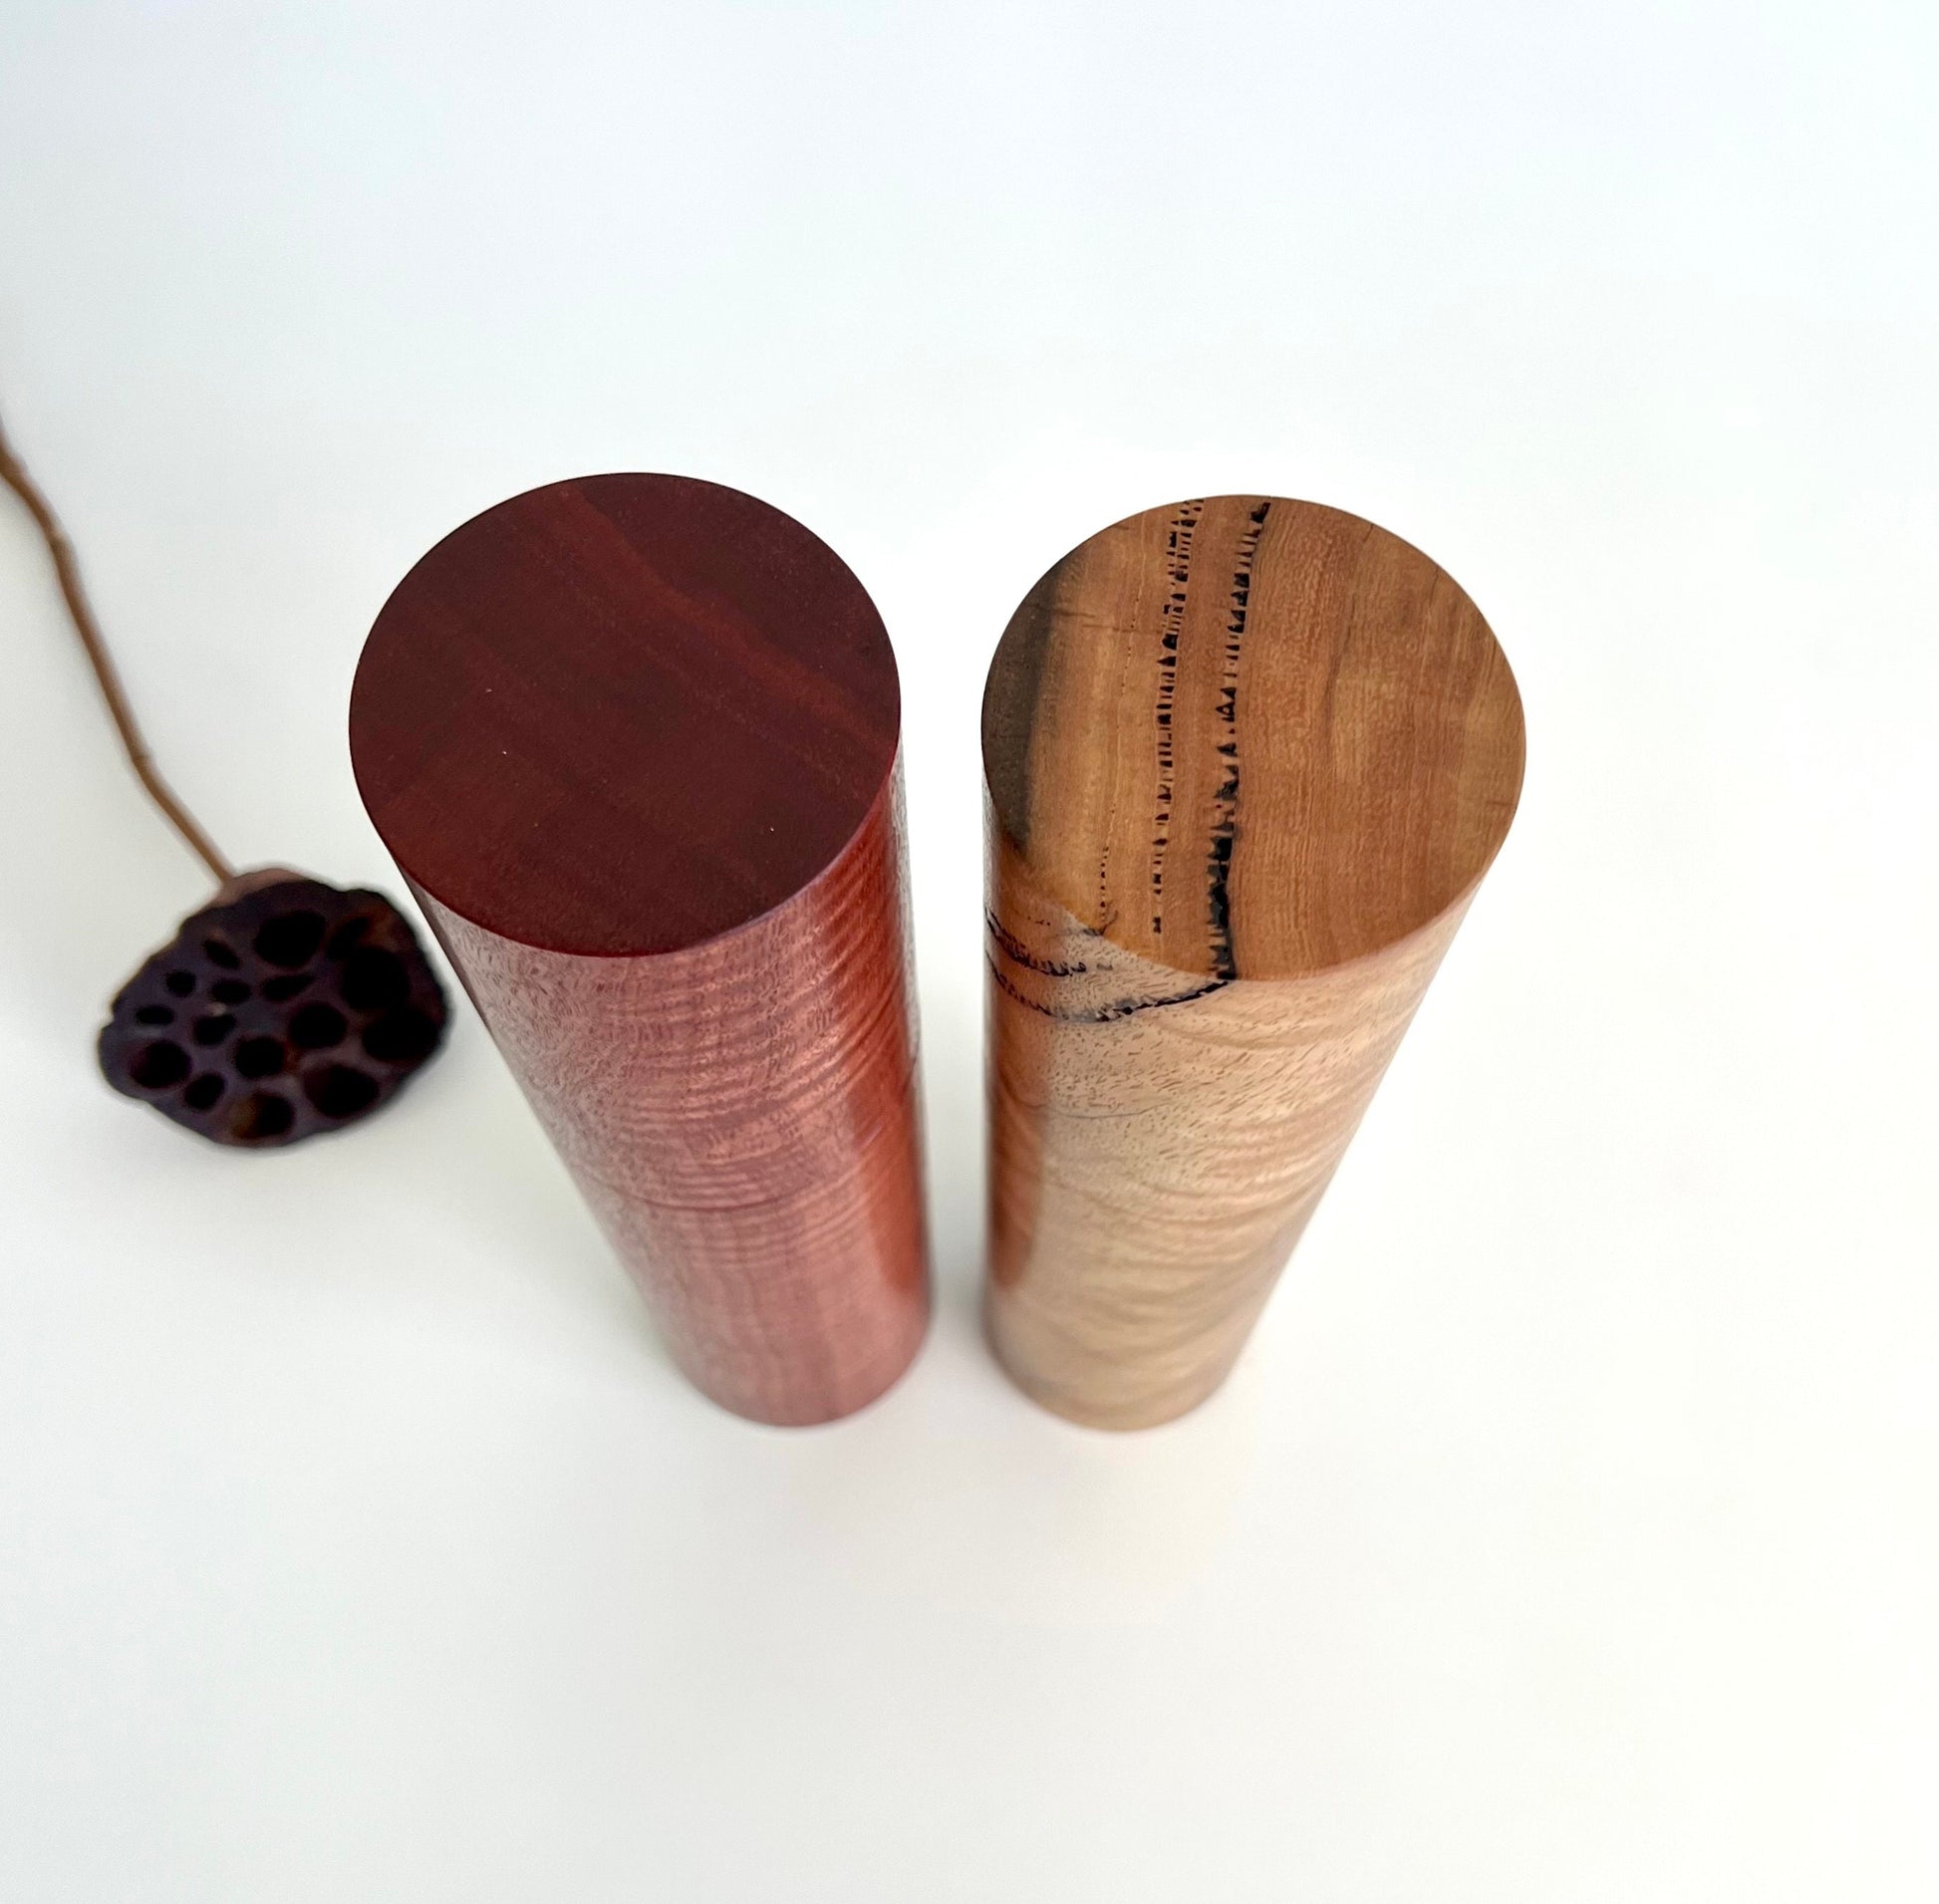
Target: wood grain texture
x=1246 y=762
x=634 y=742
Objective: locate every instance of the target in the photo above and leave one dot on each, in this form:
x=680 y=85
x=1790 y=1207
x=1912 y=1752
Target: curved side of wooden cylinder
x=742 y=1117
x=1158 y=1142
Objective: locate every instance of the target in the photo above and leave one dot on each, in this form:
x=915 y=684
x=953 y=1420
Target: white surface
x=1570 y=1532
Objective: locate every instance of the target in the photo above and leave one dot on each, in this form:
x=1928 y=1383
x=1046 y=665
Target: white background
x=1570 y=1530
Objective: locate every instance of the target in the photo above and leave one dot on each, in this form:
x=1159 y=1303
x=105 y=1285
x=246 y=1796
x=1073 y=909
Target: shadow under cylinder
x=1245 y=761
x=634 y=742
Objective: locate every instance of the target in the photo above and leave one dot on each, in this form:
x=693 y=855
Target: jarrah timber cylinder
x=633 y=742
x=1245 y=761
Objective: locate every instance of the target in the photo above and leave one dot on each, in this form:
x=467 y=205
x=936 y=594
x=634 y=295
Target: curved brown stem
x=68 y=570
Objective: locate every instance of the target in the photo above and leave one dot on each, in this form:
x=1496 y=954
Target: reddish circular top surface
x=623 y=714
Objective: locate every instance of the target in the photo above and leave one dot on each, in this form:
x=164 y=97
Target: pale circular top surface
x=1250 y=737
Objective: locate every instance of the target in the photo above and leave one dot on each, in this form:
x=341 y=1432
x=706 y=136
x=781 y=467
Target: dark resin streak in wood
x=1178 y=573
x=1225 y=803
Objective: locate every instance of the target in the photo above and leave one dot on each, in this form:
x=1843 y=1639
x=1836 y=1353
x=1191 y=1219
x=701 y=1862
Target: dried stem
x=14 y=472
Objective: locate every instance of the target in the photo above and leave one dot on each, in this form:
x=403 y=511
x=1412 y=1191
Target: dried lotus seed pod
x=285 y=1008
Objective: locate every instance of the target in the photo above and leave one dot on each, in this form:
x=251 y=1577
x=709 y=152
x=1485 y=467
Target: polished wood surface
x=634 y=742
x=1247 y=760
x=659 y=706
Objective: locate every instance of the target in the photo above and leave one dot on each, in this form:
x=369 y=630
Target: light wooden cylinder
x=634 y=740
x=1245 y=761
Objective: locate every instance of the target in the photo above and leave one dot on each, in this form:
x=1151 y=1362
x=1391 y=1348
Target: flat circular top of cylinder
x=624 y=715
x=1249 y=737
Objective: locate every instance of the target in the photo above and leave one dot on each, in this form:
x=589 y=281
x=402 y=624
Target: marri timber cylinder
x=1245 y=761
x=633 y=742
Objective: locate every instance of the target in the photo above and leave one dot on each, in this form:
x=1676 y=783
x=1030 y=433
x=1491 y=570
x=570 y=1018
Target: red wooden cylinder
x=633 y=742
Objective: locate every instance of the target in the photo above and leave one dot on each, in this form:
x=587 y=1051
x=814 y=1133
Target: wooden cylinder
x=1245 y=761
x=634 y=742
